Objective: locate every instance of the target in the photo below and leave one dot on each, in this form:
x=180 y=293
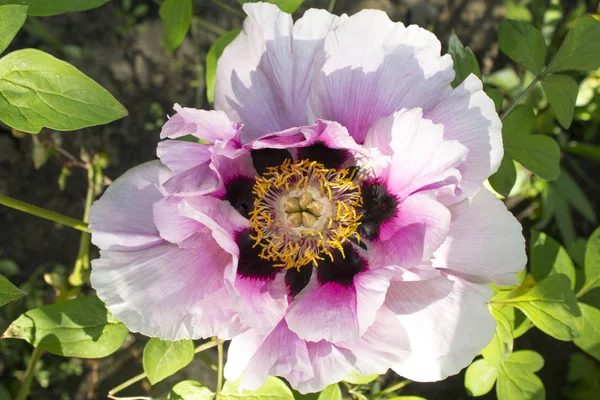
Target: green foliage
x=465 y=62
x=504 y=179
x=12 y=18
x=548 y=257
x=81 y=327
x=212 y=58
x=517 y=379
x=273 y=389
x=8 y=291
x=501 y=346
x=357 y=379
x=176 y=16
x=480 y=377
x=551 y=305
x=39 y=91
x=331 y=392
x=46 y=8
x=579 y=51
x=162 y=358
x=523 y=43
x=589 y=324
x=538 y=153
x=592 y=263
x=561 y=91
x=288 y=6
x=583 y=378
x=190 y=390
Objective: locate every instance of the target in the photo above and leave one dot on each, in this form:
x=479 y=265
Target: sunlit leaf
x=176 y=16
x=81 y=327
x=523 y=43
x=548 y=257
x=273 y=389
x=162 y=358
x=579 y=51
x=561 y=91
x=480 y=377
x=9 y=292
x=589 y=338
x=592 y=263
x=288 y=6
x=190 y=390
x=551 y=305
x=465 y=62
x=517 y=379
x=357 y=379
x=501 y=346
x=39 y=91
x=45 y=8
x=12 y=18
x=212 y=57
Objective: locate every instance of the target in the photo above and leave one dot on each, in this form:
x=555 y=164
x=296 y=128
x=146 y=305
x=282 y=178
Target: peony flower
x=336 y=219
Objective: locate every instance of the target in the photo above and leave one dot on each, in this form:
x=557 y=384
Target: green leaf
x=551 y=305
x=12 y=18
x=592 y=263
x=480 y=377
x=38 y=90
x=579 y=51
x=190 y=390
x=589 y=338
x=504 y=179
x=212 y=57
x=273 y=389
x=561 y=91
x=501 y=346
x=45 y=8
x=162 y=358
x=81 y=327
x=288 y=6
x=331 y=392
x=465 y=62
x=407 y=398
x=548 y=257
x=9 y=292
x=523 y=43
x=517 y=379
x=587 y=150
x=538 y=153
x=574 y=196
x=357 y=379
x=496 y=96
x=176 y=16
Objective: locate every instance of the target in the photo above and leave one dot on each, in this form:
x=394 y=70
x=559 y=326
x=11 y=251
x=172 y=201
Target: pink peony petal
x=211 y=126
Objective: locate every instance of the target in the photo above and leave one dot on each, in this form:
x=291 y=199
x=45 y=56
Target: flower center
x=302 y=211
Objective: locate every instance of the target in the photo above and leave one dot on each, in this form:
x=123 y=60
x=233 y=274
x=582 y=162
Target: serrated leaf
x=517 y=379
x=579 y=51
x=212 y=57
x=190 y=390
x=176 y=16
x=357 y=379
x=548 y=257
x=538 y=153
x=12 y=18
x=45 y=8
x=81 y=327
x=162 y=358
x=38 y=90
x=551 y=305
x=9 y=292
x=503 y=180
x=480 y=377
x=288 y=6
x=591 y=263
x=589 y=325
x=273 y=389
x=465 y=62
x=561 y=91
x=523 y=43
x=501 y=346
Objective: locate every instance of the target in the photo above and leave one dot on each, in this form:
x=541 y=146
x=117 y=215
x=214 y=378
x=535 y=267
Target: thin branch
x=220 y=369
x=521 y=96
x=229 y=8
x=331 y=6
x=26 y=385
x=390 y=389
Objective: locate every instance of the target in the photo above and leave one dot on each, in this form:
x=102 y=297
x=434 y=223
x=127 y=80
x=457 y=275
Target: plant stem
x=331 y=6
x=219 y=368
x=522 y=95
x=390 y=389
x=43 y=213
x=127 y=383
x=206 y=346
x=24 y=390
x=229 y=8
x=210 y=26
